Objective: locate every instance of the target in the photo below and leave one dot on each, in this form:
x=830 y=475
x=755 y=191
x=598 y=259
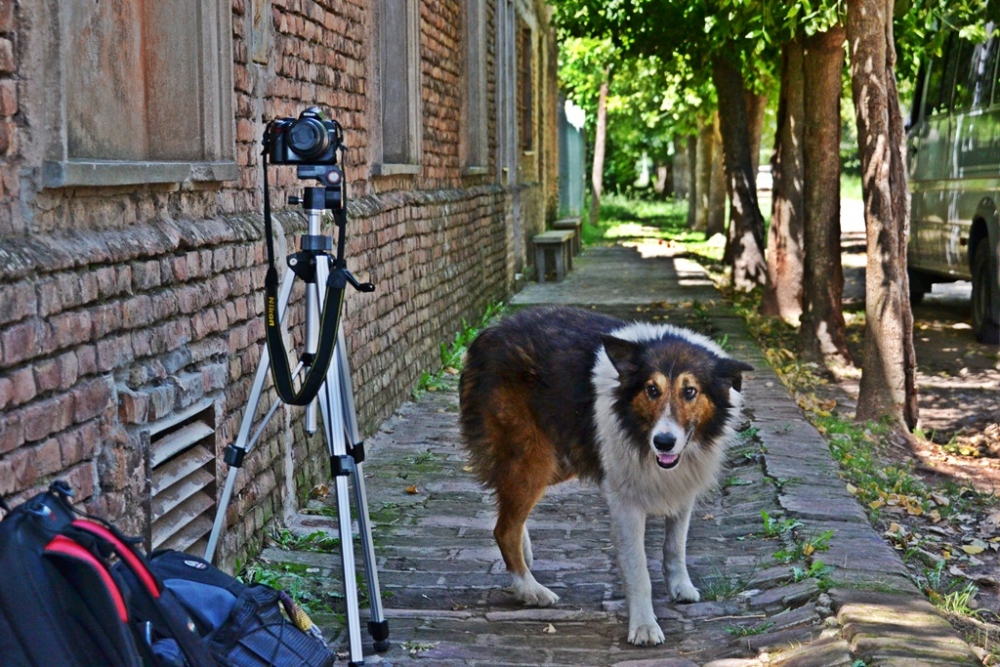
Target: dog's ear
x=622 y=353
x=732 y=369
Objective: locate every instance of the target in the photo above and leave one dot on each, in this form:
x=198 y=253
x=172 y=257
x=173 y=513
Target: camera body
x=309 y=139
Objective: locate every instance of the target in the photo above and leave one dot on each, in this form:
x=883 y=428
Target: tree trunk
x=597 y=175
x=703 y=173
x=680 y=170
x=749 y=268
x=756 y=106
x=888 y=386
x=785 y=244
x=717 y=192
x=692 y=159
x=823 y=334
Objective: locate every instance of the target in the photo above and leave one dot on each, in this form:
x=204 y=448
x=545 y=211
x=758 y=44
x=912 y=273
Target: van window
x=974 y=75
x=938 y=94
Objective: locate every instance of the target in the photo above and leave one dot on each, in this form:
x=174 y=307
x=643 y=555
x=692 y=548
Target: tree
x=888 y=383
x=707 y=37
x=785 y=243
x=600 y=136
x=822 y=332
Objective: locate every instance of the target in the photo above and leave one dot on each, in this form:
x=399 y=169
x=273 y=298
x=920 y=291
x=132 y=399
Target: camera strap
x=328 y=326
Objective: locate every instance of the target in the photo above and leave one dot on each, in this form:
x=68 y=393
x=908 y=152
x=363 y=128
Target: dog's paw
x=684 y=591
x=533 y=594
x=648 y=634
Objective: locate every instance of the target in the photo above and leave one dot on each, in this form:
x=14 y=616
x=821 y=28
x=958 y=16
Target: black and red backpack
x=62 y=603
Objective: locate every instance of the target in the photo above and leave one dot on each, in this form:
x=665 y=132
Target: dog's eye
x=652 y=391
x=690 y=393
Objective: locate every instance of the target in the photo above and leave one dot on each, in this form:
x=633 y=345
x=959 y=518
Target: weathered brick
x=6 y=392
x=7 y=16
x=145 y=275
x=47 y=416
x=80 y=443
x=133 y=406
x=86 y=360
x=113 y=353
x=81 y=480
x=47 y=375
x=48 y=457
x=20 y=342
x=70 y=328
x=7 y=62
x=25 y=385
x=11 y=431
x=17 y=300
x=92 y=398
x=137 y=311
x=161 y=402
x=69 y=369
x=105 y=318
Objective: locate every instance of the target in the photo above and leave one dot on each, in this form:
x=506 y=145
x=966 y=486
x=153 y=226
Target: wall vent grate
x=183 y=486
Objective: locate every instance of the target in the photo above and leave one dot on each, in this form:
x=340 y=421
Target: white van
x=954 y=170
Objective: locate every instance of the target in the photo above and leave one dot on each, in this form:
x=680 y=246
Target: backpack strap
x=166 y=612
x=61 y=544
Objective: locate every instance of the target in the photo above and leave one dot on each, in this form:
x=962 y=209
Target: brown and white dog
x=646 y=411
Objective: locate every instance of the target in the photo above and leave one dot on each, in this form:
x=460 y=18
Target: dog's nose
x=664 y=441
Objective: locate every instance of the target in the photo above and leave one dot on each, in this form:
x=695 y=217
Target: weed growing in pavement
x=723 y=585
x=773 y=527
x=749 y=630
x=804 y=548
x=453 y=353
x=318 y=541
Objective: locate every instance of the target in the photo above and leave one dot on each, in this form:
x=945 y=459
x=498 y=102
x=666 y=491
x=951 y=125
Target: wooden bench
x=573 y=224
x=557 y=243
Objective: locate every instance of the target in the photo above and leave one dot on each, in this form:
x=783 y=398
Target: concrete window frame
x=138 y=92
x=398 y=96
x=475 y=102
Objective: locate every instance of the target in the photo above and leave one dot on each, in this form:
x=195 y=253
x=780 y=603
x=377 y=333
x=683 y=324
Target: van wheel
x=984 y=285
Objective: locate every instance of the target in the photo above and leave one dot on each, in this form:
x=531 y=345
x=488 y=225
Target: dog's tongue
x=666 y=459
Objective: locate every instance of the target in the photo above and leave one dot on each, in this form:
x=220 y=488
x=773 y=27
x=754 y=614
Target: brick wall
x=121 y=306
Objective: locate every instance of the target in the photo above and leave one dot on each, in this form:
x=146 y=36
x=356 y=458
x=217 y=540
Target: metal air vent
x=183 y=490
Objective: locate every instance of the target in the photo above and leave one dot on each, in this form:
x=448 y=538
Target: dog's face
x=672 y=395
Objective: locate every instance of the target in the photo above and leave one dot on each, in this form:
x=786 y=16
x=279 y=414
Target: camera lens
x=308 y=137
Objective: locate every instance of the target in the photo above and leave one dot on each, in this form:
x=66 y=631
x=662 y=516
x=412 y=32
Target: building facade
x=131 y=228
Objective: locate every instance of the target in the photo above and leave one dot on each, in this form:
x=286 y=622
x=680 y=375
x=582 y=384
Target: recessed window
x=399 y=64
x=140 y=92
x=476 y=126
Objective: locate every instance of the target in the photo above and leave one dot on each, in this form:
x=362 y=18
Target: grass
x=623 y=219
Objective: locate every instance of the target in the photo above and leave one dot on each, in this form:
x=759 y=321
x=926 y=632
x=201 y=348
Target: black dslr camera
x=308 y=139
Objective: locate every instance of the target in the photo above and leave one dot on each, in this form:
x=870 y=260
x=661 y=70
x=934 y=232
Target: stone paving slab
x=444 y=581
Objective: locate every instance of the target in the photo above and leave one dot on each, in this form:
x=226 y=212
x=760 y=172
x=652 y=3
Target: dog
x=644 y=410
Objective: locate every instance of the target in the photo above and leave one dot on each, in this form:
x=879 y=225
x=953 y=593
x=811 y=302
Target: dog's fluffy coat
x=643 y=410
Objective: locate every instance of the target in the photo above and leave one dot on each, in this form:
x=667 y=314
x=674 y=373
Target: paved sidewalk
x=443 y=577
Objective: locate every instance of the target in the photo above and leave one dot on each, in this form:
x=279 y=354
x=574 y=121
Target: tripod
x=335 y=400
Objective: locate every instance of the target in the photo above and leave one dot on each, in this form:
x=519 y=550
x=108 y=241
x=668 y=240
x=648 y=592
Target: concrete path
x=443 y=577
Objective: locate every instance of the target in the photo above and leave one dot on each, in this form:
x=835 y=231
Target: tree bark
x=692 y=153
x=888 y=382
x=785 y=243
x=703 y=173
x=680 y=170
x=717 y=192
x=823 y=333
x=748 y=266
x=756 y=107
x=600 y=134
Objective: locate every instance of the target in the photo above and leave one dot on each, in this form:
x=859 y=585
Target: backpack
x=243 y=624
x=62 y=603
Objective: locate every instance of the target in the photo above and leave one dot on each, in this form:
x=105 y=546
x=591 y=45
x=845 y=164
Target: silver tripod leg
x=377 y=626
x=243 y=444
x=340 y=426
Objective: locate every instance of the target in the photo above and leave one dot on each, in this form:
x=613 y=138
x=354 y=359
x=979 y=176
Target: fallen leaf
x=851 y=489
x=972 y=550
x=412 y=488
x=549 y=629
